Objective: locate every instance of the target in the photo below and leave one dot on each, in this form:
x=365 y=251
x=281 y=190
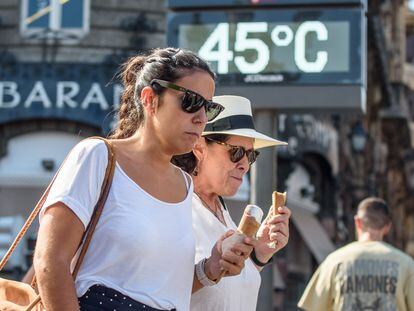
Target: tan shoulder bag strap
x=106 y=185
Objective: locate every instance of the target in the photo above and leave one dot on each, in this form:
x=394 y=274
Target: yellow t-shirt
x=362 y=276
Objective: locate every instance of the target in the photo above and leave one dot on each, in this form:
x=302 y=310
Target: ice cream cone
x=278 y=200
x=251 y=219
x=248 y=226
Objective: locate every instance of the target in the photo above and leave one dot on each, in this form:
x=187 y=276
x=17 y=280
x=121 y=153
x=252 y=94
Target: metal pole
x=263 y=177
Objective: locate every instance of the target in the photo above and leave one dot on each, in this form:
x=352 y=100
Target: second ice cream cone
x=278 y=200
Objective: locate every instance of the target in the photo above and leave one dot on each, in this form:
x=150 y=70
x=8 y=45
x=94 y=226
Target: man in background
x=368 y=274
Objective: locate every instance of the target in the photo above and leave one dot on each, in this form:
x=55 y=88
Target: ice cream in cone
x=248 y=226
x=251 y=219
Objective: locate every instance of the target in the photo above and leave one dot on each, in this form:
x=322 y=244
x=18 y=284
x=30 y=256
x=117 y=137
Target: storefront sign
x=77 y=92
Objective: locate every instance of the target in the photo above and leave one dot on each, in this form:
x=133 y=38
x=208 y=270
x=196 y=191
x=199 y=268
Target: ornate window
x=66 y=20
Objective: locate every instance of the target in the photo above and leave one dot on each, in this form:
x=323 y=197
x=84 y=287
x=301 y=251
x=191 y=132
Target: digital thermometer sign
x=283 y=45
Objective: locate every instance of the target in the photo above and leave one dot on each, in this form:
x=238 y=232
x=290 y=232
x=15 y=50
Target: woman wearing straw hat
x=218 y=163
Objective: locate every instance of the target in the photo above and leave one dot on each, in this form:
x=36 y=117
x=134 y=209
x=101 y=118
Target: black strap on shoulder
x=222 y=202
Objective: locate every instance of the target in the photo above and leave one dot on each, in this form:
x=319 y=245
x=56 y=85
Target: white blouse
x=231 y=293
x=141 y=247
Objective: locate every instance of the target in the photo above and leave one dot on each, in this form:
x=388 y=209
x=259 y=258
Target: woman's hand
x=230 y=261
x=9 y=306
x=273 y=229
x=236 y=249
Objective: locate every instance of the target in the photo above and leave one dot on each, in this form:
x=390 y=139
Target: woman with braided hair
x=141 y=256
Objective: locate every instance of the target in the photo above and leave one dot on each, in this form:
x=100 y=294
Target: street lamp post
x=358 y=138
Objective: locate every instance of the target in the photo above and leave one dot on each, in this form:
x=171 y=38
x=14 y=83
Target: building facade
x=58 y=85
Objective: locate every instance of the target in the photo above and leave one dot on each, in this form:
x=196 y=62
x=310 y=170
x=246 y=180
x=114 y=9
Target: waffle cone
x=278 y=200
x=248 y=225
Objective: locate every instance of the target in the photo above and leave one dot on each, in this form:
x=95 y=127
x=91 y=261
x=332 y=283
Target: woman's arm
x=58 y=239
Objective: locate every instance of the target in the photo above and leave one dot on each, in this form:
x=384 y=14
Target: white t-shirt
x=231 y=293
x=141 y=247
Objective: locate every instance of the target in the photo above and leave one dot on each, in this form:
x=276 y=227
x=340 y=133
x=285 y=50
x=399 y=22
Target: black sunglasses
x=237 y=152
x=191 y=101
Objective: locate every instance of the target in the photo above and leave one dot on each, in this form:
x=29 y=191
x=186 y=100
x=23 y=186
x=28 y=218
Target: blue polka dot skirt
x=99 y=297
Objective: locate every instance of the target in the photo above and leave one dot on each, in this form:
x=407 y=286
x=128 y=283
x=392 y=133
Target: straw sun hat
x=236 y=119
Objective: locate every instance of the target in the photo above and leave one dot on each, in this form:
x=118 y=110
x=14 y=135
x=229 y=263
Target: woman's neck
x=144 y=146
x=204 y=190
x=212 y=203
x=208 y=198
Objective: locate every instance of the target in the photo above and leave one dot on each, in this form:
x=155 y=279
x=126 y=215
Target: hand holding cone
x=248 y=226
x=278 y=200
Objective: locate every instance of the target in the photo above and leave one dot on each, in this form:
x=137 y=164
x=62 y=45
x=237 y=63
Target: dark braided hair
x=137 y=72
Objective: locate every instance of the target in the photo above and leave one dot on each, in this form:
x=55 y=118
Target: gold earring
x=195 y=172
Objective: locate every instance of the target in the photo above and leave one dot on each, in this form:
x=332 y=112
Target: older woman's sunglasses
x=191 y=101
x=237 y=152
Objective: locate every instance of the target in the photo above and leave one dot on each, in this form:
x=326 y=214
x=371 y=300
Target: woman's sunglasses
x=237 y=152
x=191 y=101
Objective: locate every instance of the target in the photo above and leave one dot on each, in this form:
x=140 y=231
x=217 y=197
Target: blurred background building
x=58 y=85
x=334 y=78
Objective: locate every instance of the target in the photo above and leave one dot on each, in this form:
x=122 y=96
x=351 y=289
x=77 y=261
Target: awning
x=25 y=180
x=301 y=98
x=310 y=229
